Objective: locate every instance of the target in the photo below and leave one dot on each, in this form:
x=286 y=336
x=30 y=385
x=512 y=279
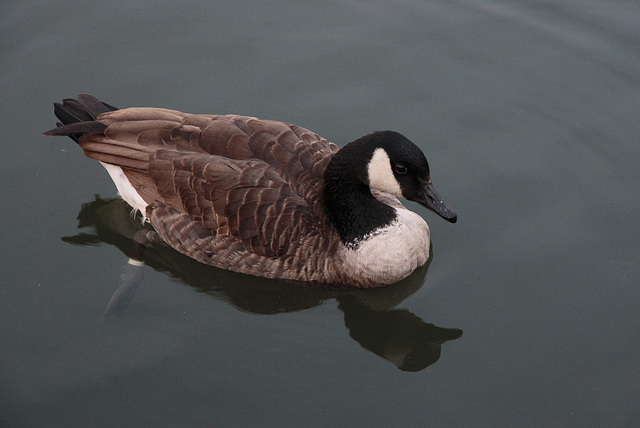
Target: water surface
x=528 y=113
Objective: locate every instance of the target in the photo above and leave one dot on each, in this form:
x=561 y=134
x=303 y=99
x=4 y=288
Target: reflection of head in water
x=396 y=335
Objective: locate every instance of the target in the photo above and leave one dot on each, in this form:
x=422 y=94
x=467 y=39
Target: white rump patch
x=126 y=190
x=380 y=175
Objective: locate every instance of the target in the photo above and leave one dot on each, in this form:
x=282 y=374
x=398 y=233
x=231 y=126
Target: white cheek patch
x=380 y=175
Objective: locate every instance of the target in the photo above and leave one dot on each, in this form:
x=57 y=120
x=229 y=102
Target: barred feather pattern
x=235 y=192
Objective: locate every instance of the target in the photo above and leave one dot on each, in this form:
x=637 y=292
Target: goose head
x=384 y=161
x=399 y=167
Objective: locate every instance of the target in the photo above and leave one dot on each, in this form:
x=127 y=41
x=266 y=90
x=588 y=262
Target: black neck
x=354 y=211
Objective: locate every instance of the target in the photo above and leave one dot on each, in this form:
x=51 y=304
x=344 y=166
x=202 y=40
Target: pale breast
x=392 y=253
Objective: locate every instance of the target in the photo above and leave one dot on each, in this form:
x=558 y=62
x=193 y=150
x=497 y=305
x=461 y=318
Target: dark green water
x=529 y=113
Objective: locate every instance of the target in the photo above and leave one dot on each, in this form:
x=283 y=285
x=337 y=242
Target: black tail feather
x=70 y=112
x=76 y=129
x=77 y=116
x=93 y=106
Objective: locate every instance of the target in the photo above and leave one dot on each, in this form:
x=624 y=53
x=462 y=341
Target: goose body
x=263 y=197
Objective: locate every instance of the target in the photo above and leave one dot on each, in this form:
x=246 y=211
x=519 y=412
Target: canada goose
x=262 y=197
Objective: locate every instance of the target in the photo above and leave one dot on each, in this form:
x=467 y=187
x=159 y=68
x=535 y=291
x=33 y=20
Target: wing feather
x=244 y=199
x=256 y=181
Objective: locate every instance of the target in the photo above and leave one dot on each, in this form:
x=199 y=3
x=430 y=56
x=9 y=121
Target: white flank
x=125 y=189
x=391 y=253
x=380 y=175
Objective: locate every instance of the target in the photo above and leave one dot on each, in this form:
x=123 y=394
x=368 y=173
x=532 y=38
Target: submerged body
x=262 y=197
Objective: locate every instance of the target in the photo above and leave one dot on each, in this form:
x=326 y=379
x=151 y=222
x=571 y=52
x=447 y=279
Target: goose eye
x=401 y=169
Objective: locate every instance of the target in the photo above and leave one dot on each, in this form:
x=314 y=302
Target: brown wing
x=244 y=199
x=298 y=155
x=252 y=180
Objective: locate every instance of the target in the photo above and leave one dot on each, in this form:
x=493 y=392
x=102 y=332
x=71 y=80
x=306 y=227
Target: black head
x=399 y=167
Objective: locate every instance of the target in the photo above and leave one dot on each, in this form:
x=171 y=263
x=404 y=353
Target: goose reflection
x=396 y=335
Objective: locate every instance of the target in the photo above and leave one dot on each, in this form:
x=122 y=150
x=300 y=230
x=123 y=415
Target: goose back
x=233 y=191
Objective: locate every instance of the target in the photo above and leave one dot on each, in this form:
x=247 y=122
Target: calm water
x=529 y=113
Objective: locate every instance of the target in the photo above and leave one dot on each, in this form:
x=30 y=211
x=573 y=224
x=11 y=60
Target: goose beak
x=432 y=200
